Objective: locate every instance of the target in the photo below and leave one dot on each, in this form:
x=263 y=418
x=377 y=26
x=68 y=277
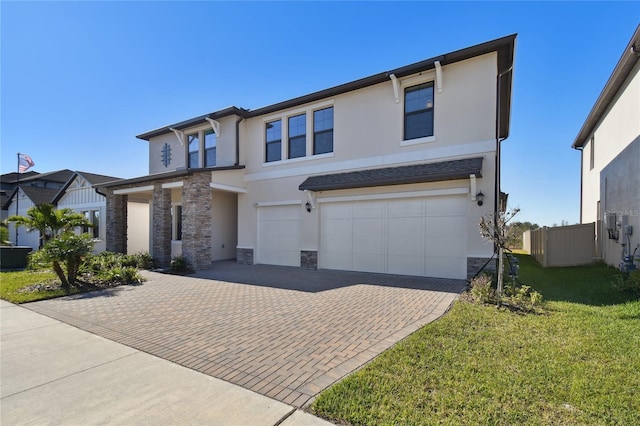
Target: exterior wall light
x=307 y=206
x=480 y=198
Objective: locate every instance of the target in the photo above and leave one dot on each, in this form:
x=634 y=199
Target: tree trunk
x=500 y=271
x=60 y=273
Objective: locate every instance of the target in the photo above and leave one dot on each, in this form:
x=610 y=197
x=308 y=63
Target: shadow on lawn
x=587 y=285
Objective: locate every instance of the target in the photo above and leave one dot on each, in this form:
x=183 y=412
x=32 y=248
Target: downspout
x=238 y=141
x=581 y=149
x=496 y=201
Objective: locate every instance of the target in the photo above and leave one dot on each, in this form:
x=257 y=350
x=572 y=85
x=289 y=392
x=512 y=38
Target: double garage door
x=417 y=236
x=410 y=236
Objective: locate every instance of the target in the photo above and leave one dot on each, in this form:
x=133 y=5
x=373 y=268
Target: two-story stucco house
x=609 y=142
x=380 y=174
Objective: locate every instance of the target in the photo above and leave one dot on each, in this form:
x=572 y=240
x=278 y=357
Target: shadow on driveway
x=313 y=281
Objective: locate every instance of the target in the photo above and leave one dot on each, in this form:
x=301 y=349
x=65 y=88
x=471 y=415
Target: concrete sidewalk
x=53 y=373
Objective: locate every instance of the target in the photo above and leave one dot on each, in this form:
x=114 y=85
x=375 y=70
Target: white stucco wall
x=225 y=225
x=617 y=128
x=138 y=227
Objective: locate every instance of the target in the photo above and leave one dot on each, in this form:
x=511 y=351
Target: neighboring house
x=8 y=183
x=79 y=194
x=380 y=174
x=62 y=188
x=609 y=142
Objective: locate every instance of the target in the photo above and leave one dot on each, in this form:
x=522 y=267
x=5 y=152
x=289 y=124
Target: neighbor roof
x=621 y=72
x=13 y=176
x=504 y=46
x=61 y=176
x=36 y=194
x=418 y=173
x=92 y=178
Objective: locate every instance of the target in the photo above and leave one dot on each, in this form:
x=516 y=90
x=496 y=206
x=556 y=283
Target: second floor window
x=323 y=131
x=210 y=144
x=194 y=151
x=298 y=136
x=418 y=111
x=274 y=140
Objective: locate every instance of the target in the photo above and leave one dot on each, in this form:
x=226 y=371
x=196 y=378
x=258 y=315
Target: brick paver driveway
x=283 y=332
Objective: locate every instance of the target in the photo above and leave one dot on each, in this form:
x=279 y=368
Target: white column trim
x=133 y=190
x=228 y=188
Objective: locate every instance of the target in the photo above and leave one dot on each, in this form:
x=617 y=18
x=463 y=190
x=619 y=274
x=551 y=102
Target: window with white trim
x=193 y=142
x=323 y=131
x=93 y=217
x=418 y=111
x=273 y=137
x=297 y=146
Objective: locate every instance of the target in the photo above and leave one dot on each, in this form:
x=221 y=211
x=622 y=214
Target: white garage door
x=416 y=236
x=279 y=235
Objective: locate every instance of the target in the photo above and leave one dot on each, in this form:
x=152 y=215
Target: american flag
x=24 y=163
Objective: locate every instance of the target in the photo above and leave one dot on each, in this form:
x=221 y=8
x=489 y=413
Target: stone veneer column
x=197 y=220
x=161 y=218
x=309 y=259
x=475 y=263
x=116 y=222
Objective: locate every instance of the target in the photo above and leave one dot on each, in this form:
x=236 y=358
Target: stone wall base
x=309 y=259
x=475 y=263
x=244 y=256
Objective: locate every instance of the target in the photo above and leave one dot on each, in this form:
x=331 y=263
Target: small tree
x=51 y=223
x=68 y=250
x=495 y=228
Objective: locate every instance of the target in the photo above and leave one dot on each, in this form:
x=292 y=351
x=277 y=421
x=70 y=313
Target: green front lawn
x=11 y=284
x=578 y=363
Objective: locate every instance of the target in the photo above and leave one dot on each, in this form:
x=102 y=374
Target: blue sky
x=80 y=79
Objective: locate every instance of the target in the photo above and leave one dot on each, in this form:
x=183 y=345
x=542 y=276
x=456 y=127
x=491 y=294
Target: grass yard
x=577 y=364
x=12 y=282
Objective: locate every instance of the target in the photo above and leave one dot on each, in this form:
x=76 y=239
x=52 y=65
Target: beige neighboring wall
x=137 y=227
x=225 y=225
x=616 y=129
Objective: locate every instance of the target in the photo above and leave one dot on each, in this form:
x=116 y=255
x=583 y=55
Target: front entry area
x=424 y=236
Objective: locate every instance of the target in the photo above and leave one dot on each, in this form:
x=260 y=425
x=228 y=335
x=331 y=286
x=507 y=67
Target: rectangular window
x=95 y=221
x=298 y=136
x=323 y=131
x=87 y=216
x=418 y=111
x=274 y=140
x=592 y=152
x=210 y=144
x=194 y=150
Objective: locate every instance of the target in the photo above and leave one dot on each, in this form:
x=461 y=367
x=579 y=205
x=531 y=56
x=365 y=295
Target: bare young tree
x=495 y=228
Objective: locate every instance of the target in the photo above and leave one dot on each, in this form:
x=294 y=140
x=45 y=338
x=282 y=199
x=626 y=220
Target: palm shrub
x=65 y=255
x=49 y=221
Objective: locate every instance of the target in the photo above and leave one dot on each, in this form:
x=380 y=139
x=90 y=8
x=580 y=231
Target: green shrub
x=143 y=260
x=122 y=275
x=482 y=290
x=628 y=282
x=180 y=265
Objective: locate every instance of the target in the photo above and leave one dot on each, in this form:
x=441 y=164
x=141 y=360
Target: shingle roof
x=95 y=179
x=419 y=173
x=61 y=176
x=35 y=194
x=13 y=176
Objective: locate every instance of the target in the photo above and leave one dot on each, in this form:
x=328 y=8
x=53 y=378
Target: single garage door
x=413 y=236
x=279 y=235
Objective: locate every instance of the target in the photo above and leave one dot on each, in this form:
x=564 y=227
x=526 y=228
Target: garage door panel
x=447 y=206
x=368 y=262
x=446 y=267
x=279 y=235
x=417 y=236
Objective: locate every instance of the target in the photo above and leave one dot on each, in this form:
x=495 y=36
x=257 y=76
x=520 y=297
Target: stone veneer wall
x=197 y=220
x=309 y=259
x=475 y=263
x=244 y=256
x=116 y=221
x=161 y=218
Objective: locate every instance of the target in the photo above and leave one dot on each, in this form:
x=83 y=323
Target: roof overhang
x=402 y=175
x=163 y=176
x=616 y=81
x=504 y=47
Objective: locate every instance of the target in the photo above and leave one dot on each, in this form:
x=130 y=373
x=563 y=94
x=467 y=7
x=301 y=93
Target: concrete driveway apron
x=283 y=332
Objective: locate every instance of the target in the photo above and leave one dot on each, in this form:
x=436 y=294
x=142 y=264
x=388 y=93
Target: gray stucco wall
x=620 y=195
